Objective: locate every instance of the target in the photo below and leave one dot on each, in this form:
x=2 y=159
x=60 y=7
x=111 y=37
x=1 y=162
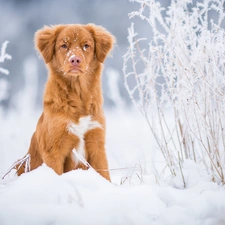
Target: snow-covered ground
x=135 y=196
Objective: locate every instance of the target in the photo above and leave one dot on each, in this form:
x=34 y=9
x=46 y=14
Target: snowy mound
x=84 y=197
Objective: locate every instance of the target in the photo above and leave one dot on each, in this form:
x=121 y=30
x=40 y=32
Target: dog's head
x=73 y=49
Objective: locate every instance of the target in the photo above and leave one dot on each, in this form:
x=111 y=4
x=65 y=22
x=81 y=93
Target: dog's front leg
x=54 y=160
x=56 y=144
x=58 y=156
x=95 y=149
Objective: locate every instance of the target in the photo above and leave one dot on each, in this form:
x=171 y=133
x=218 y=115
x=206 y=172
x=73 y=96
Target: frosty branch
x=4 y=56
x=178 y=82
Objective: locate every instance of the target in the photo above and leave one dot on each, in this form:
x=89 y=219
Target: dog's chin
x=75 y=72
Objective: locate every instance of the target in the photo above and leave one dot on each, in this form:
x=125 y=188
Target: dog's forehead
x=75 y=32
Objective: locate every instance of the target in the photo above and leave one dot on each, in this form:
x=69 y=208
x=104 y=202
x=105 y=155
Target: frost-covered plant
x=178 y=83
x=3 y=57
x=3 y=82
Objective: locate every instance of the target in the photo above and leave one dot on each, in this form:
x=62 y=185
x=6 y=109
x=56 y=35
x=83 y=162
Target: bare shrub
x=177 y=81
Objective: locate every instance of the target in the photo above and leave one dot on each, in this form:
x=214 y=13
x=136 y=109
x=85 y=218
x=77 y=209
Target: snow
x=135 y=196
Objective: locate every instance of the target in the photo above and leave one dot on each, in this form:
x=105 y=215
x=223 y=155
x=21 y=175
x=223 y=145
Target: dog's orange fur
x=71 y=94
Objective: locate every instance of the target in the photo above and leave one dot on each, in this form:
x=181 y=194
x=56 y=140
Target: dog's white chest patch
x=85 y=124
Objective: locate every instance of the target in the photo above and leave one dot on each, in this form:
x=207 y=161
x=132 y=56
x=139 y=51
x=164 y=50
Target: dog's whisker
x=61 y=70
x=90 y=70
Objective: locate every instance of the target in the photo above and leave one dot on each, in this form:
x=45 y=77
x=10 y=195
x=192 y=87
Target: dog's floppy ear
x=104 y=41
x=45 y=41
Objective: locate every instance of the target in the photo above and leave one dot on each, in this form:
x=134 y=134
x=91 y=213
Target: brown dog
x=73 y=117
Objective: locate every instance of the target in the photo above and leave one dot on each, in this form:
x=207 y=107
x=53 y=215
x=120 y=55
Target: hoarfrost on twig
x=3 y=57
x=17 y=165
x=181 y=76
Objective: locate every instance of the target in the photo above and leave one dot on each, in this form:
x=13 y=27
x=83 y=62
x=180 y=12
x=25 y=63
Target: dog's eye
x=86 y=46
x=64 y=46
